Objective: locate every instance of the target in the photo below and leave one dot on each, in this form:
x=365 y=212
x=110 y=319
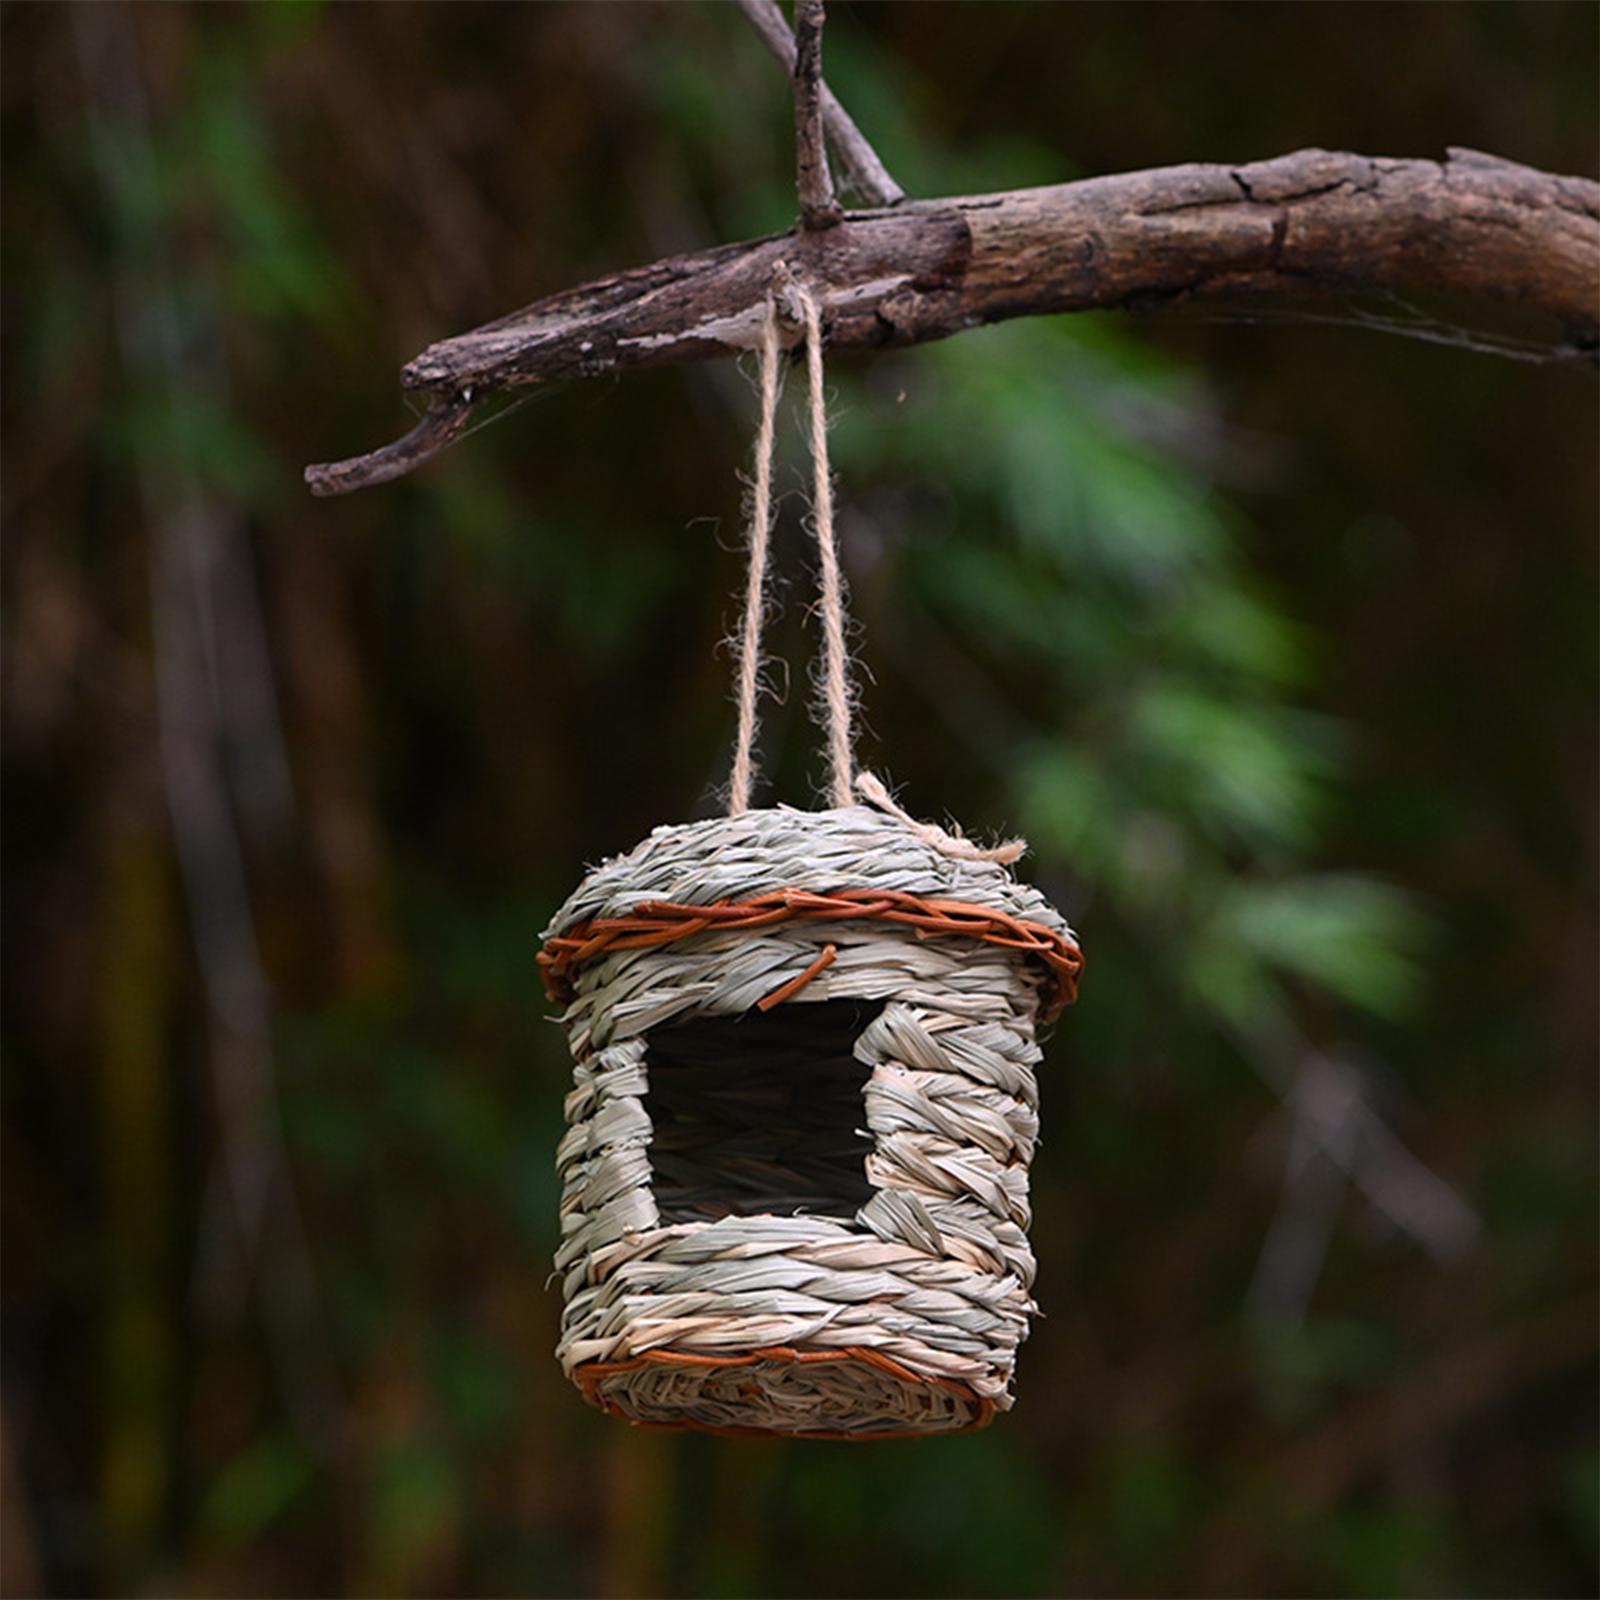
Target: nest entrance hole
x=760 y=1113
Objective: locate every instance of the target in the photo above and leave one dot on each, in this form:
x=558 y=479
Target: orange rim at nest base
x=661 y=922
x=589 y=1376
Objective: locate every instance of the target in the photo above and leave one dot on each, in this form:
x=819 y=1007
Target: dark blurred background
x=1276 y=636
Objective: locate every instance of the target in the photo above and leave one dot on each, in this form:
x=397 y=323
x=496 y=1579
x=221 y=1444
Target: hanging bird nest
x=795 y=1183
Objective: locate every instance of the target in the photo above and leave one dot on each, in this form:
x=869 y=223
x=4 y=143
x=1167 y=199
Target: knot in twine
x=872 y=789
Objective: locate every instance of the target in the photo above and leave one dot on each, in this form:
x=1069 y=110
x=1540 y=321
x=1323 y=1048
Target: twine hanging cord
x=872 y=788
x=791 y=302
x=836 y=697
x=755 y=593
x=836 y=692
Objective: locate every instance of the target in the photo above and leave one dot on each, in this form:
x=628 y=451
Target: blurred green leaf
x=255 y=1489
x=1354 y=936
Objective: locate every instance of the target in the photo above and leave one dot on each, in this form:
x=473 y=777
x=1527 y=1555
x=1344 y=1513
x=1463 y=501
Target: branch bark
x=861 y=163
x=441 y=425
x=812 y=178
x=1471 y=225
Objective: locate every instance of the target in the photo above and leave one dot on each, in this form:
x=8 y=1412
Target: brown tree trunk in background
x=139 y=1353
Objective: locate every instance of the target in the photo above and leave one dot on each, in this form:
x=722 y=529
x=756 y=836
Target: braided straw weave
x=794 y=1185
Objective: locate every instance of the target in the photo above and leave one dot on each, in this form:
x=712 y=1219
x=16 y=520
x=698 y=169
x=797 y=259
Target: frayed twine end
x=871 y=788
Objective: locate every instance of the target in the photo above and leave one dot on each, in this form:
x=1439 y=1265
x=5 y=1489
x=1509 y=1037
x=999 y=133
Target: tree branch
x=812 y=179
x=1472 y=225
x=442 y=424
x=862 y=167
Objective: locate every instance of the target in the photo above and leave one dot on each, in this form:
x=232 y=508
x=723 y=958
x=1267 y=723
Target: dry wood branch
x=442 y=424
x=1471 y=225
x=812 y=178
x=860 y=162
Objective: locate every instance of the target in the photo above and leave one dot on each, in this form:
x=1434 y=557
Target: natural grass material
x=726 y=1263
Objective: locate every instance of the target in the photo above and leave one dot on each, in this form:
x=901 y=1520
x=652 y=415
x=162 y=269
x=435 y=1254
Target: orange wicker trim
x=661 y=922
x=589 y=1376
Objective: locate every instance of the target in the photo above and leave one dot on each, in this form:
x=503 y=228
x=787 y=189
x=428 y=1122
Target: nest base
x=847 y=1394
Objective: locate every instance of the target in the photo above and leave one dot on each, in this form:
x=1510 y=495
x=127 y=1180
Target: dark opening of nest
x=760 y=1113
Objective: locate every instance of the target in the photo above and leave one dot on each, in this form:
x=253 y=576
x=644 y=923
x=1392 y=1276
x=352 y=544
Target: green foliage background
x=1277 y=639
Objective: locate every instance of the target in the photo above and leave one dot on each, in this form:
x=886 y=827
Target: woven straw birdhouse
x=795 y=1181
